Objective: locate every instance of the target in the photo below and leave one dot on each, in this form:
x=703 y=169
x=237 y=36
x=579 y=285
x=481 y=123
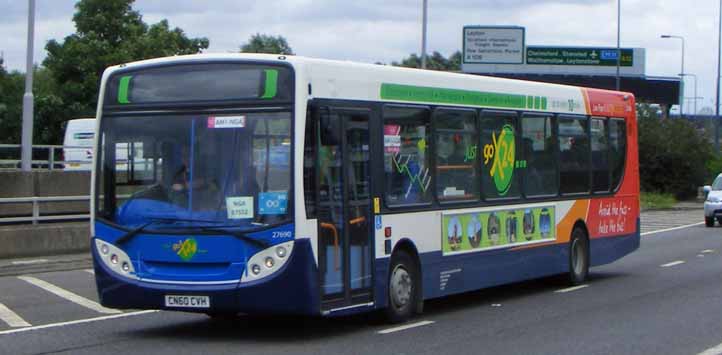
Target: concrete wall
x=44 y=183
x=44 y=239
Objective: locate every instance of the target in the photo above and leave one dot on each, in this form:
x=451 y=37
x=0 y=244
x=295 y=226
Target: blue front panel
x=210 y=265
x=191 y=257
x=291 y=290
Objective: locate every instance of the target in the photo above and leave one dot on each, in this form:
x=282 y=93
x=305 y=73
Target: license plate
x=185 y=301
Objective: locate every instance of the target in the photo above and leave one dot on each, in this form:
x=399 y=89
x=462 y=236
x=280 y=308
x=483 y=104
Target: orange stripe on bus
x=577 y=212
x=587 y=103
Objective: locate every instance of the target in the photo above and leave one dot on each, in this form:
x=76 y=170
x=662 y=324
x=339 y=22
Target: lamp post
x=26 y=151
x=681 y=93
x=695 y=89
x=423 y=35
x=619 y=32
x=719 y=64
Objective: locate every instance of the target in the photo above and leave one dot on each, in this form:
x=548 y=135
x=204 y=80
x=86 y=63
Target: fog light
x=126 y=267
x=104 y=249
x=269 y=262
x=256 y=269
x=114 y=259
x=281 y=252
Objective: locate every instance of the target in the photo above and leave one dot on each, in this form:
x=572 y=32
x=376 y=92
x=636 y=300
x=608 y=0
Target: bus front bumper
x=291 y=290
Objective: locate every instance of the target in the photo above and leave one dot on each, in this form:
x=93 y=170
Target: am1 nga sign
x=544 y=55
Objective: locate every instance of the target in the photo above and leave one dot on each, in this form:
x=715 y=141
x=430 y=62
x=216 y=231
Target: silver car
x=713 y=203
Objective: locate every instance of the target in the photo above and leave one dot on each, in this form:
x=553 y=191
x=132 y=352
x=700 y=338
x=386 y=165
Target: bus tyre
x=709 y=221
x=402 y=285
x=578 y=257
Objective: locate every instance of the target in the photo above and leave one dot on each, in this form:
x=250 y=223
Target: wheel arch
x=407 y=245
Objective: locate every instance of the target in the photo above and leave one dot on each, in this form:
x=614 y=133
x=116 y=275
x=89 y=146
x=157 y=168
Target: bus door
x=344 y=208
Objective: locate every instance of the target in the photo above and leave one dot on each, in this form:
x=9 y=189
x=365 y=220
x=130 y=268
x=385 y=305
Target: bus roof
x=336 y=79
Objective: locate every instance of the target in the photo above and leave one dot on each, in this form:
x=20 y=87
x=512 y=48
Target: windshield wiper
x=238 y=234
x=128 y=236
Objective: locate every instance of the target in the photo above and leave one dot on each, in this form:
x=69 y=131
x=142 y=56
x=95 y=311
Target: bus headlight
x=114 y=258
x=255 y=269
x=272 y=259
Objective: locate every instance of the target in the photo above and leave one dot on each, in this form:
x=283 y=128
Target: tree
x=436 y=61
x=261 y=43
x=108 y=32
x=672 y=154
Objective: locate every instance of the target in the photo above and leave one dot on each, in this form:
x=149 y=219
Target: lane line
x=717 y=350
x=571 y=289
x=404 y=327
x=11 y=318
x=707 y=251
x=80 y=300
x=90 y=271
x=674 y=263
x=672 y=229
x=29 y=262
x=80 y=321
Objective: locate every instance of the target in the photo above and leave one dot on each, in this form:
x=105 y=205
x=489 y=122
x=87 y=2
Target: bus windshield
x=230 y=170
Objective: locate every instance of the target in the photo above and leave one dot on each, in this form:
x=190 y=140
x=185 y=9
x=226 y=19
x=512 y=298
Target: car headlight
x=713 y=199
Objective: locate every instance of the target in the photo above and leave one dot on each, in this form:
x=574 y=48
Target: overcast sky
x=388 y=30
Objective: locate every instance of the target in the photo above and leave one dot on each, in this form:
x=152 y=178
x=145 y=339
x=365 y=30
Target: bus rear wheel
x=402 y=288
x=578 y=257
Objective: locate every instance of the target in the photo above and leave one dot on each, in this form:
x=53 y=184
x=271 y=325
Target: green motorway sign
x=605 y=57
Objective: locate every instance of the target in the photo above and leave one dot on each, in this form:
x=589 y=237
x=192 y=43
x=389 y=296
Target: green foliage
x=108 y=32
x=656 y=201
x=436 y=61
x=11 y=102
x=672 y=154
x=714 y=168
x=261 y=43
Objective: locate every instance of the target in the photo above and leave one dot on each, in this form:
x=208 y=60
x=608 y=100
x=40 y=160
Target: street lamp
x=26 y=141
x=681 y=93
x=423 y=35
x=695 y=88
x=619 y=32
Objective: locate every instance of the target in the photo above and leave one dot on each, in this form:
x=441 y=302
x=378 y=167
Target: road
x=664 y=299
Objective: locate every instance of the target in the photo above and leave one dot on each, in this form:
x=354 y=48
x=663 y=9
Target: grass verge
x=657 y=201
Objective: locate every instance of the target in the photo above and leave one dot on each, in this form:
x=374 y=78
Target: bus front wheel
x=402 y=287
x=578 y=257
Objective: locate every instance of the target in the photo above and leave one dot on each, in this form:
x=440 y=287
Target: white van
x=78 y=144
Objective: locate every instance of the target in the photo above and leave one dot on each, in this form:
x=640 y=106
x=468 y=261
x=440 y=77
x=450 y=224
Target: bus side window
x=309 y=165
x=574 y=154
x=539 y=148
x=500 y=154
x=457 y=158
x=406 y=155
x=618 y=150
x=600 y=155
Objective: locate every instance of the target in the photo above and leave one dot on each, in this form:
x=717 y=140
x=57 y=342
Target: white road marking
x=11 y=318
x=571 y=289
x=674 y=263
x=717 y=350
x=707 y=251
x=672 y=229
x=91 y=271
x=404 y=327
x=29 y=262
x=80 y=321
x=68 y=295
